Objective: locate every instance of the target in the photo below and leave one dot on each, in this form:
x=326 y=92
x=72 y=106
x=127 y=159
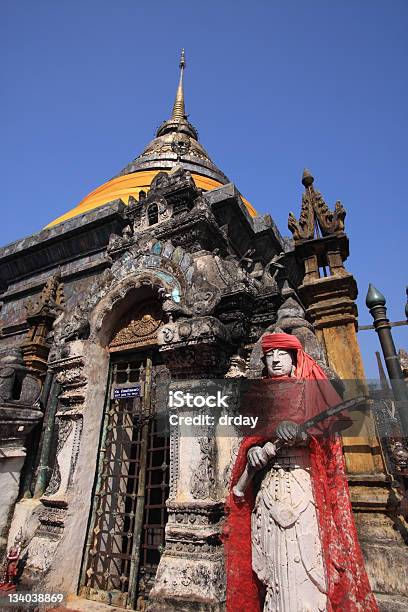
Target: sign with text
x=124 y=392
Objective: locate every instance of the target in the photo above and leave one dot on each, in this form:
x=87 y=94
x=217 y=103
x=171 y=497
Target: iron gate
x=129 y=515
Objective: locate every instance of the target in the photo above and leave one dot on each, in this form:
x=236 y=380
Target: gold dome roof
x=130 y=185
x=176 y=143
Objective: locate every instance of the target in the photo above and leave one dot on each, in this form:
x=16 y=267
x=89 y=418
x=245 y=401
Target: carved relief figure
x=292 y=545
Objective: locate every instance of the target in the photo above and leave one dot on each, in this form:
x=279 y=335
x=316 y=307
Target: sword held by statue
x=360 y=403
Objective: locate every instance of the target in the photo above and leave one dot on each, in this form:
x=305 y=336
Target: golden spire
x=179 y=110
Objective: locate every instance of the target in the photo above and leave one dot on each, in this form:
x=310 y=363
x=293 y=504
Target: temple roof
x=176 y=143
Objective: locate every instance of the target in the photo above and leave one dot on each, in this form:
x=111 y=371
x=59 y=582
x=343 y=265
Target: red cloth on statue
x=347 y=582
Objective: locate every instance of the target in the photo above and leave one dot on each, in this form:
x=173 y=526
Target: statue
x=291 y=546
x=9 y=577
x=17 y=384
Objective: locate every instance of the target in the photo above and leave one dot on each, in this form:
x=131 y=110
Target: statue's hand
x=290 y=432
x=269 y=449
x=257 y=457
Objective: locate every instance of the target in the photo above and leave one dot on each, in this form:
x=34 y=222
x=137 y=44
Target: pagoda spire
x=178 y=121
x=179 y=110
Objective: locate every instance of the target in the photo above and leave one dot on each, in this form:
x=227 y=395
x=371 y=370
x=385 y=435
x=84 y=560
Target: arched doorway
x=128 y=518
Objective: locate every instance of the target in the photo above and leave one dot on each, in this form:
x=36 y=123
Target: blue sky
x=271 y=86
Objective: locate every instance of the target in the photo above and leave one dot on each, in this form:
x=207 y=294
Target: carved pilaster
x=69 y=421
x=191 y=575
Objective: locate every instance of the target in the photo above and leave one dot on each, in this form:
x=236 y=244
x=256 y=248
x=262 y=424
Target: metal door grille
x=155 y=513
x=133 y=448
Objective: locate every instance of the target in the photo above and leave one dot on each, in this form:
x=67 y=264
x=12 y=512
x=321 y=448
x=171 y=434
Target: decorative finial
x=307 y=178
x=182 y=59
x=374 y=297
x=179 y=110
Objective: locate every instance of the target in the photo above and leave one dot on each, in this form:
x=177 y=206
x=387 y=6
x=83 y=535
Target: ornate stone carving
x=315 y=211
x=203 y=480
x=271 y=271
x=226 y=477
x=192 y=562
x=51 y=300
x=304 y=228
x=69 y=373
x=118 y=243
x=237 y=367
x=180 y=144
x=192 y=331
x=174 y=462
x=141 y=329
x=64 y=429
x=77 y=326
x=71 y=377
x=203 y=295
x=69 y=427
x=42 y=313
x=52 y=520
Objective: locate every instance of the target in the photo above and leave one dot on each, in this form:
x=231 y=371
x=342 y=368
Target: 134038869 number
x=31 y=598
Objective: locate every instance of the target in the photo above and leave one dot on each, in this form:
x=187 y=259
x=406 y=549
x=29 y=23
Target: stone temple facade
x=164 y=273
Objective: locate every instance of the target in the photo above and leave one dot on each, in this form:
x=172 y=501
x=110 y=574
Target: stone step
x=80 y=604
x=392 y=603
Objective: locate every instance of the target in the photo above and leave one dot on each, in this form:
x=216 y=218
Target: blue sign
x=123 y=392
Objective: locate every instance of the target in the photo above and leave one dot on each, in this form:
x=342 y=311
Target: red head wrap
x=306 y=367
x=280 y=341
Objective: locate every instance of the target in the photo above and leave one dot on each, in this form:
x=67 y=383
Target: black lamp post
x=376 y=303
x=406 y=305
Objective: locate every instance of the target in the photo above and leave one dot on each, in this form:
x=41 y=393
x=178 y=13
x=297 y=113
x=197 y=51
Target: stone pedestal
x=191 y=573
x=383 y=534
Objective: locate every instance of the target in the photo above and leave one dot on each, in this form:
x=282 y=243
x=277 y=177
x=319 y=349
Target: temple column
x=191 y=573
x=331 y=308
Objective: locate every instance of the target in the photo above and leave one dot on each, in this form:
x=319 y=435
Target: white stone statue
x=293 y=529
x=286 y=549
